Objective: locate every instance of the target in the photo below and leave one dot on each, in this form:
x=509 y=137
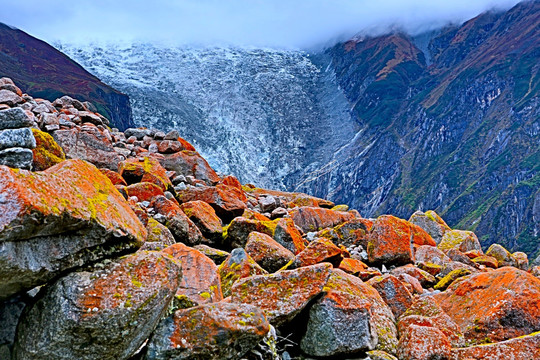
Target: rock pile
x=135 y=248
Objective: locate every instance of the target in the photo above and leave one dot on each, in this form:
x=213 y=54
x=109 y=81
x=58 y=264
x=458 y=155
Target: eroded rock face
x=65 y=216
x=499 y=304
x=213 y=331
x=105 y=314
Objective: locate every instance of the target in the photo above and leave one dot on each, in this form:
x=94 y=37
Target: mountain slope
x=460 y=136
x=42 y=71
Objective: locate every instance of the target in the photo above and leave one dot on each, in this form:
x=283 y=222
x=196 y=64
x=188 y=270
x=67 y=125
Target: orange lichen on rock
x=423 y=343
x=319 y=250
x=115 y=177
x=495 y=305
x=204 y=216
x=237 y=266
x=200 y=281
x=393 y=292
x=352 y=266
x=522 y=348
x=267 y=252
x=144 y=191
x=310 y=218
x=135 y=170
x=73 y=193
x=390 y=241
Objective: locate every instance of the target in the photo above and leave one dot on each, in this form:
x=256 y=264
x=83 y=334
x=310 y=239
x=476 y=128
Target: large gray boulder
x=105 y=314
x=14 y=118
x=11 y=138
x=17 y=157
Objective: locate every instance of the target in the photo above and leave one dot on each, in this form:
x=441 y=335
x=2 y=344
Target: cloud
x=269 y=23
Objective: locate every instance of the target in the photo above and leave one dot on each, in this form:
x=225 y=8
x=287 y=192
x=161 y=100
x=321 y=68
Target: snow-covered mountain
x=264 y=115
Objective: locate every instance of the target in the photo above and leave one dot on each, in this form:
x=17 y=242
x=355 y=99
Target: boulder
x=432 y=223
x=19 y=158
x=158 y=235
x=423 y=343
x=59 y=219
x=228 y=202
x=22 y=138
x=430 y=254
x=237 y=266
x=190 y=163
x=318 y=251
x=105 y=314
x=200 y=283
x=10 y=98
x=144 y=191
x=183 y=229
x=47 y=152
x=393 y=292
x=310 y=218
x=352 y=266
x=350 y=317
x=236 y=234
x=496 y=305
x=282 y=295
x=216 y=255
x=14 y=118
x=115 y=177
x=217 y=331
x=88 y=143
x=459 y=239
x=288 y=235
x=135 y=170
x=426 y=279
x=267 y=252
x=523 y=348
x=390 y=241
x=204 y=216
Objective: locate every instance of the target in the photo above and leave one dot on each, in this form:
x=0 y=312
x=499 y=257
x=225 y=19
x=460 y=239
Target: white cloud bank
x=269 y=23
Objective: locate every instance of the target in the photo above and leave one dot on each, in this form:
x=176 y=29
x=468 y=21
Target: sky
x=292 y=24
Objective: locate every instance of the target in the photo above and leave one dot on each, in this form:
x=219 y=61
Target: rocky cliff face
x=44 y=72
x=392 y=124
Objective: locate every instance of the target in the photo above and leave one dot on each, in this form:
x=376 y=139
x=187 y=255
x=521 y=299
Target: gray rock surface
x=9 y=98
x=11 y=138
x=105 y=314
x=14 y=118
x=17 y=158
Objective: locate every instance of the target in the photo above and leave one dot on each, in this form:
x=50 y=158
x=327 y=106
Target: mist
x=293 y=24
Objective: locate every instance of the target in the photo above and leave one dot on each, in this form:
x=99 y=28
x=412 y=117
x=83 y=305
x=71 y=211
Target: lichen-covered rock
x=432 y=223
x=190 y=163
x=393 y=292
x=446 y=281
x=183 y=229
x=485 y=260
x=115 y=177
x=496 y=305
x=318 y=251
x=88 y=143
x=237 y=266
x=216 y=255
x=426 y=279
x=217 y=331
x=339 y=323
x=47 y=152
x=380 y=355
x=144 y=191
x=58 y=219
x=204 y=216
x=227 y=201
x=14 y=118
x=423 y=343
x=522 y=260
x=267 y=252
x=352 y=266
x=430 y=254
x=10 y=98
x=522 y=348
x=159 y=237
x=288 y=235
x=503 y=256
x=461 y=240
x=346 y=292
x=424 y=312
x=353 y=232
x=200 y=282
x=284 y=294
x=106 y=314
x=135 y=170
x=310 y=218
x=390 y=241
x=237 y=232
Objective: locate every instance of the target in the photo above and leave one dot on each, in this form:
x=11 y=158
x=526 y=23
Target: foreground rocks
x=135 y=248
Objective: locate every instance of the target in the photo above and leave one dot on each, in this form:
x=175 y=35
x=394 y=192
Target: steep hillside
x=42 y=71
x=460 y=136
